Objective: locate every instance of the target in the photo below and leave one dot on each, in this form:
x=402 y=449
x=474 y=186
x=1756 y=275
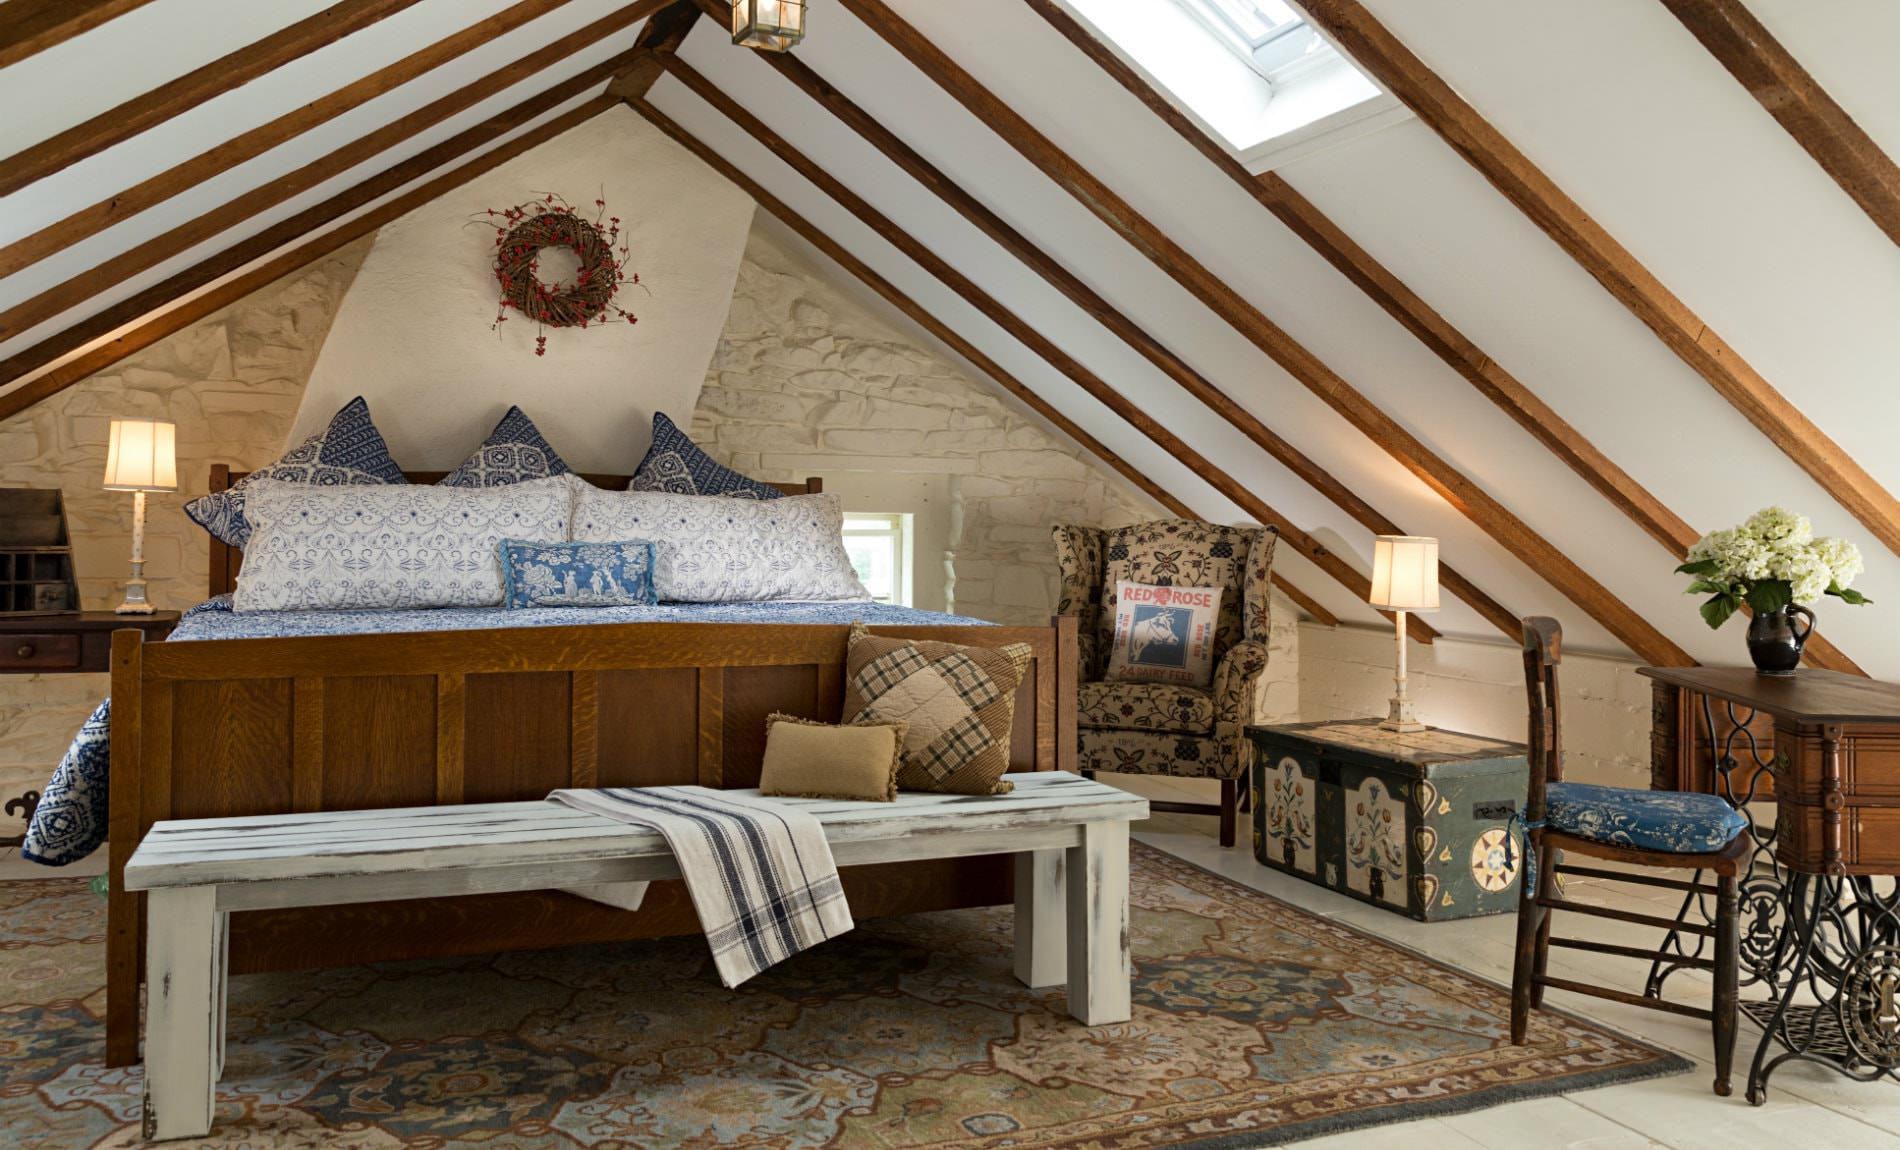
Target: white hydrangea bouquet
x=1771 y=562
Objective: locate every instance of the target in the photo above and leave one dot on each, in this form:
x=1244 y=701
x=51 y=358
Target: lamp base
x=1402 y=717
x=135 y=601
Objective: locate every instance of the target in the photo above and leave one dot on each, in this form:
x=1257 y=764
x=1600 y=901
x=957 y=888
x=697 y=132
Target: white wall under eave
x=414 y=336
x=1478 y=687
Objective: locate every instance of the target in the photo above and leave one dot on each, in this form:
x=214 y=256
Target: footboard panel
x=271 y=726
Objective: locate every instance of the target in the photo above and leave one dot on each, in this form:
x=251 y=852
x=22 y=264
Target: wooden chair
x=1665 y=830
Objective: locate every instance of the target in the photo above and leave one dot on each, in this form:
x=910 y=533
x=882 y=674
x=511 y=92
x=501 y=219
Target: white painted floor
x=1807 y=1106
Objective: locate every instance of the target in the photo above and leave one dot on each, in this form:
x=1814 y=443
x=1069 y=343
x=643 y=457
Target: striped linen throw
x=760 y=872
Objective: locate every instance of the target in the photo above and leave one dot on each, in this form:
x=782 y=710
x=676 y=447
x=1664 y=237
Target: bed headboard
x=225 y=559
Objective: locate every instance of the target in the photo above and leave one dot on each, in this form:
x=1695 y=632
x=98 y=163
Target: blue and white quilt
x=70 y=822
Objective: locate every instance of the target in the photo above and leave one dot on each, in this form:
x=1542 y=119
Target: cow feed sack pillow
x=1164 y=634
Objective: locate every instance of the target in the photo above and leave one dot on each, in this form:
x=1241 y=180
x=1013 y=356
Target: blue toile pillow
x=676 y=465
x=577 y=574
x=348 y=451
x=513 y=453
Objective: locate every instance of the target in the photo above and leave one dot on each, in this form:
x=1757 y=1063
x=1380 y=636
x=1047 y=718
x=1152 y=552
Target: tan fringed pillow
x=959 y=703
x=807 y=759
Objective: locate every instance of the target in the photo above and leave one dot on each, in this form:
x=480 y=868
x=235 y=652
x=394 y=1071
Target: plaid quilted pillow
x=957 y=704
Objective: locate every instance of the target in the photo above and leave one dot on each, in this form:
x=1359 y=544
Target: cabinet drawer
x=24 y=651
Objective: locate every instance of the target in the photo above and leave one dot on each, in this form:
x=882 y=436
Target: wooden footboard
x=272 y=726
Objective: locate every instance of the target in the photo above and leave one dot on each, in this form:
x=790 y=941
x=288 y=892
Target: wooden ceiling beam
x=1396 y=68
x=1542 y=557
x=288 y=231
x=152 y=108
x=658 y=42
x=1772 y=75
x=91 y=220
x=72 y=292
x=1436 y=332
x=1090 y=301
x=29 y=27
x=197 y=307
x=963 y=347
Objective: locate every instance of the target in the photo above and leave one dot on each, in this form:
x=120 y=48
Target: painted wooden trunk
x=1415 y=823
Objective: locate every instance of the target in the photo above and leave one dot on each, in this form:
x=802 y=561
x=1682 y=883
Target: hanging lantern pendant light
x=769 y=25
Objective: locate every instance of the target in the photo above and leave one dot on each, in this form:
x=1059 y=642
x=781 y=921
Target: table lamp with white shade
x=141 y=456
x=1404 y=578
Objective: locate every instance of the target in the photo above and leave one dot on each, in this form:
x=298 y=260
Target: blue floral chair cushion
x=514 y=452
x=675 y=464
x=1675 y=821
x=350 y=450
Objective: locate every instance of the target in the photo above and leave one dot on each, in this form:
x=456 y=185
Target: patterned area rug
x=1255 y=1023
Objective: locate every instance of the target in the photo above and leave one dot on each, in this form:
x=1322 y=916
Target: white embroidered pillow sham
x=389 y=548
x=713 y=550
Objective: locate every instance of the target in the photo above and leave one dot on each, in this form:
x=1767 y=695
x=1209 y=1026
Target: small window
x=880 y=546
x=1255 y=71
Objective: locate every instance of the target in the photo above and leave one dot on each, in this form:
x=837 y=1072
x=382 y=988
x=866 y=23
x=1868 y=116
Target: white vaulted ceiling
x=1613 y=99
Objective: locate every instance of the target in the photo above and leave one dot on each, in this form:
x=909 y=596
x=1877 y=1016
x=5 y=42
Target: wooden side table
x=1813 y=916
x=74 y=642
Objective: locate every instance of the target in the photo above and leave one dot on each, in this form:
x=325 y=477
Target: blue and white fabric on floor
x=70 y=822
x=760 y=872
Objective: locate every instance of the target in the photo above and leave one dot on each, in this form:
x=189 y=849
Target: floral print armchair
x=1167 y=728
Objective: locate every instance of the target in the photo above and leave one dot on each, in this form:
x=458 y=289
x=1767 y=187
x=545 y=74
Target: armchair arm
x=1236 y=681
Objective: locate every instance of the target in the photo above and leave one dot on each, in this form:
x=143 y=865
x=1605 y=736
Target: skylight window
x=1254 y=71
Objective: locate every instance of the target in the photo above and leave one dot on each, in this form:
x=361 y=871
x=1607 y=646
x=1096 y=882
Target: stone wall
x=231 y=383
x=811 y=380
x=1478 y=687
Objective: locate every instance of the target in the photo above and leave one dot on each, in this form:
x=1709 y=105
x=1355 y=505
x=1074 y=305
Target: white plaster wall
x=414 y=332
x=1478 y=687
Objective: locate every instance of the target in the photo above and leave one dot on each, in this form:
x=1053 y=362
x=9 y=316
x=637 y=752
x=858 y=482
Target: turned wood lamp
x=1404 y=579
x=141 y=456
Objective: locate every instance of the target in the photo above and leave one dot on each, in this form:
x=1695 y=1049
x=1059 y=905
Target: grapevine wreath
x=523 y=232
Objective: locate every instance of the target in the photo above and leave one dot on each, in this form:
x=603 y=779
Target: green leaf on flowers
x=1699 y=567
x=1717 y=609
x=1770 y=595
x=1848 y=595
x=1706 y=587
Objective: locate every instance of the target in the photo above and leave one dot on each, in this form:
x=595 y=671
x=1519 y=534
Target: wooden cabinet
x=1829 y=742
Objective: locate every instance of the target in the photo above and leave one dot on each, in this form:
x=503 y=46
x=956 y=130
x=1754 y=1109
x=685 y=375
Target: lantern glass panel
x=771 y=25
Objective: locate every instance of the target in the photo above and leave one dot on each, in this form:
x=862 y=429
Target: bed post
x=123 y=943
x=1068 y=655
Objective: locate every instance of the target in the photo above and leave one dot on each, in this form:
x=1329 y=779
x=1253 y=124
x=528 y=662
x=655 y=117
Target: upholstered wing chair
x=1167 y=728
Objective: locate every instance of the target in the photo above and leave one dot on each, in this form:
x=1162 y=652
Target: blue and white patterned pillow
x=577 y=574
x=391 y=548
x=513 y=453
x=349 y=451
x=728 y=550
x=676 y=465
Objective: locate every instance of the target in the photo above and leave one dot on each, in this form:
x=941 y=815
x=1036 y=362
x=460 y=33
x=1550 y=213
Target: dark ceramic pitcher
x=1775 y=639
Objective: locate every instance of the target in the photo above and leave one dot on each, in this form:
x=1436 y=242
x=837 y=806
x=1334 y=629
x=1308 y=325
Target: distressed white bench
x=197 y=872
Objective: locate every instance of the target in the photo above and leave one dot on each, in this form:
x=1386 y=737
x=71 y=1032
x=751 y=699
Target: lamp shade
x=774 y=25
x=142 y=455
x=1404 y=573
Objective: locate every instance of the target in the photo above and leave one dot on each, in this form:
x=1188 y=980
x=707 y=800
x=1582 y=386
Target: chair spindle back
x=1543 y=650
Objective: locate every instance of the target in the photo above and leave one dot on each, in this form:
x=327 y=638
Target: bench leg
x=183 y=1010
x=1099 y=968
x=1042 y=927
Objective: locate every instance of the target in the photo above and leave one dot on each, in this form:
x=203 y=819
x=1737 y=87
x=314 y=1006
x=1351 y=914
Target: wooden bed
x=342 y=722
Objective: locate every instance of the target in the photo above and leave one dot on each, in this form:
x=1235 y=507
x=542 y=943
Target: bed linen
x=70 y=822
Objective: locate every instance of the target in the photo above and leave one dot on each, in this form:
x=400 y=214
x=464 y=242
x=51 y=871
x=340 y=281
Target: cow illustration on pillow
x=1158 y=637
